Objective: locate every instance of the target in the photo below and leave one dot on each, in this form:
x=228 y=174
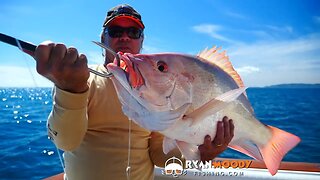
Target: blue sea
x=27 y=153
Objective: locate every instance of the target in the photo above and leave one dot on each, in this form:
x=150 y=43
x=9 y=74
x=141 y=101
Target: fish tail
x=280 y=143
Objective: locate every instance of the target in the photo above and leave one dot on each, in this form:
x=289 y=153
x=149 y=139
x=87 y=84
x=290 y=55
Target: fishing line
x=26 y=61
x=43 y=108
x=128 y=169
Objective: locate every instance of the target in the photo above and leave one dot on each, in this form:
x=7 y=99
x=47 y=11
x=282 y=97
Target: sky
x=268 y=42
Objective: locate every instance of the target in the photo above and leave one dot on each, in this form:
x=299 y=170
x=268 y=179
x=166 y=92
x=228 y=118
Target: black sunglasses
x=117 y=31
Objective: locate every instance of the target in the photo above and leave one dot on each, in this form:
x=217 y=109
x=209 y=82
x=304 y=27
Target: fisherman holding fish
x=87 y=121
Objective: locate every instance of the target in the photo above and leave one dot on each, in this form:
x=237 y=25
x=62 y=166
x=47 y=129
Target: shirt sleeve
x=156 y=152
x=68 y=120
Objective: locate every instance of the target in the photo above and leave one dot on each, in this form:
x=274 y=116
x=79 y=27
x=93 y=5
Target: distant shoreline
x=294 y=86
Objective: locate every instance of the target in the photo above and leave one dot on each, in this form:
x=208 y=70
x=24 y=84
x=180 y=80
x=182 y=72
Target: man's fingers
x=218 y=140
x=57 y=56
x=43 y=51
x=207 y=141
x=231 y=128
x=226 y=127
x=71 y=55
x=82 y=64
x=42 y=55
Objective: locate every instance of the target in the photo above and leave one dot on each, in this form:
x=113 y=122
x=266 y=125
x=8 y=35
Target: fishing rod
x=30 y=48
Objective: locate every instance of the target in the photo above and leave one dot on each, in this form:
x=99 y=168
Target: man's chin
x=124 y=50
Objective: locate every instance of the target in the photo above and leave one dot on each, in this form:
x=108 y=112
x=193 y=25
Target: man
x=86 y=120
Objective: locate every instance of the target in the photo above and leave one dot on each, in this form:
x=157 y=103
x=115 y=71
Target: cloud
x=280 y=29
x=95 y=57
x=213 y=31
x=316 y=19
x=13 y=76
x=240 y=36
x=268 y=60
x=16 y=13
x=235 y=15
x=275 y=49
x=207 y=28
x=247 y=69
x=147 y=49
x=275 y=62
x=17 y=9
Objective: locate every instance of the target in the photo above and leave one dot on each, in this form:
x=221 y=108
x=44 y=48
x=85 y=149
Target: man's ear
x=142 y=41
x=102 y=38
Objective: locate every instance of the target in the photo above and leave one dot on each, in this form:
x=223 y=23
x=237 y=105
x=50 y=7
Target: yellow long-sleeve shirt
x=92 y=130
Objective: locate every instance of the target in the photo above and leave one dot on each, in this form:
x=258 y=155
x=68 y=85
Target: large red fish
x=184 y=96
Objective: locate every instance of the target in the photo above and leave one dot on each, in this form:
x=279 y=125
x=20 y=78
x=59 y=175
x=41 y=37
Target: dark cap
x=123 y=10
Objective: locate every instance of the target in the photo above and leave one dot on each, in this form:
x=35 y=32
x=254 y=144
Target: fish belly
x=247 y=127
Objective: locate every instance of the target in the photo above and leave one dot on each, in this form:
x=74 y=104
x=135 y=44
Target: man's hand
x=225 y=132
x=63 y=66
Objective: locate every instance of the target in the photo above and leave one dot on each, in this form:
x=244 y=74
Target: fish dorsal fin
x=221 y=60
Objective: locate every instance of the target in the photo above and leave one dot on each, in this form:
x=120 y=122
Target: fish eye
x=162 y=66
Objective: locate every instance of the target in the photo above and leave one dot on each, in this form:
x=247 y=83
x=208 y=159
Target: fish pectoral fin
x=280 y=143
x=247 y=147
x=189 y=151
x=231 y=95
x=215 y=105
x=168 y=144
x=161 y=120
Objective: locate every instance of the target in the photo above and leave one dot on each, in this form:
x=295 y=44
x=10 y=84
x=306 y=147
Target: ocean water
x=27 y=153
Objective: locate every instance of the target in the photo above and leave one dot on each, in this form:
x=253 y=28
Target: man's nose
x=124 y=36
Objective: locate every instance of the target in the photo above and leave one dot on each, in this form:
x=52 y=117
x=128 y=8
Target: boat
x=257 y=170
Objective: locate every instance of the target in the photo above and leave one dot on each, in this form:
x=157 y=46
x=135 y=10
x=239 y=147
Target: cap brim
x=114 y=20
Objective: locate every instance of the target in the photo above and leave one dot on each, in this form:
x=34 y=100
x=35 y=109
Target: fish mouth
x=128 y=77
x=130 y=69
